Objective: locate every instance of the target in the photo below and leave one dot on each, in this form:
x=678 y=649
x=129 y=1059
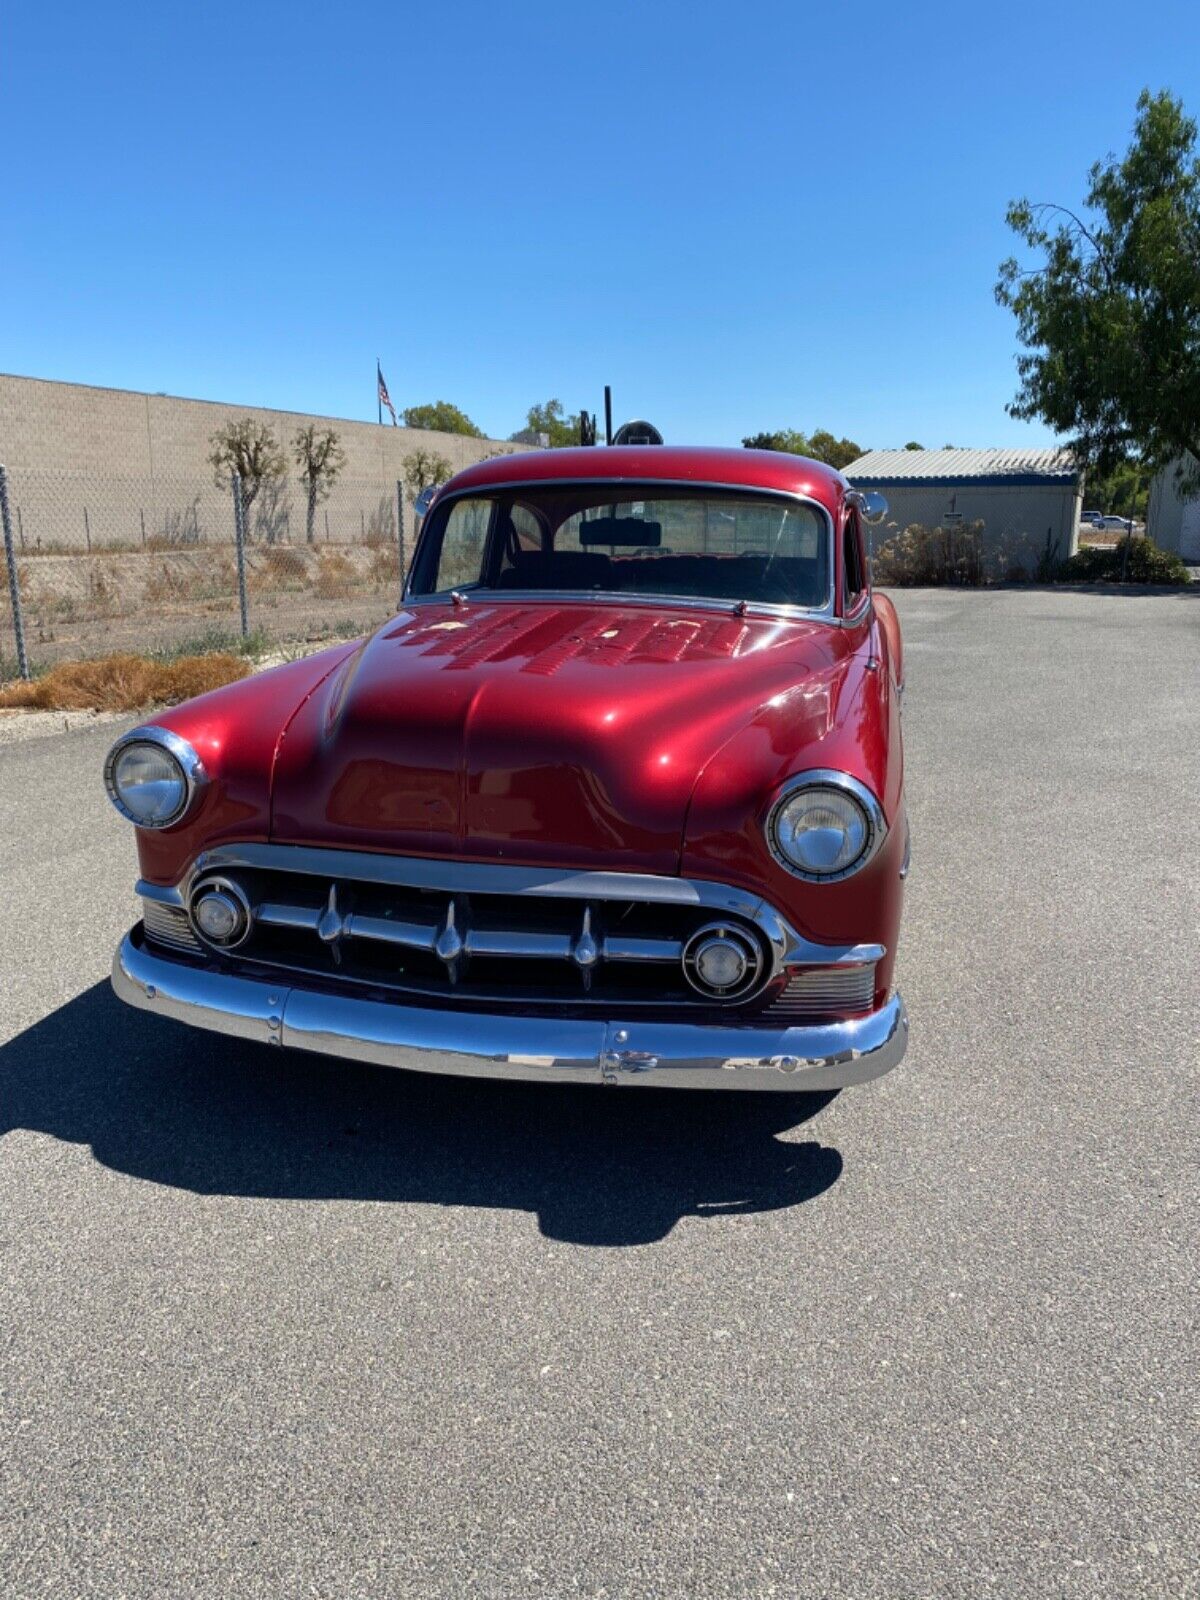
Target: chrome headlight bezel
x=845 y=785
x=191 y=771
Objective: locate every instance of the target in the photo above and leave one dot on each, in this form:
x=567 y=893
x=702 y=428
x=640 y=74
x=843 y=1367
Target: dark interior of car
x=782 y=580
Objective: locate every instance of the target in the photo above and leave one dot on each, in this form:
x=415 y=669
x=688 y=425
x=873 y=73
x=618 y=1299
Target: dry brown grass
x=336 y=575
x=385 y=567
x=285 y=564
x=123 y=683
x=186 y=583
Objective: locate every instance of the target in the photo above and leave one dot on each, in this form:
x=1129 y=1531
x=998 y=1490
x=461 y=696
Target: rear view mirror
x=620 y=530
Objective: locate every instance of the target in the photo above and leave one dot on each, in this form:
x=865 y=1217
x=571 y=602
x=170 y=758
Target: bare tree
x=424 y=467
x=320 y=458
x=251 y=450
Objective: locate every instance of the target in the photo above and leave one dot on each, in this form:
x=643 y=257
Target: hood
x=566 y=734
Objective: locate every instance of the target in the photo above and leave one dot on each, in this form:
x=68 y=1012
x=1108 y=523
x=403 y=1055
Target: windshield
x=617 y=539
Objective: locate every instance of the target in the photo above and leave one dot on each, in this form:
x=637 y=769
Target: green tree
x=913 y=445
x=441 y=417
x=561 y=430
x=1124 y=491
x=249 y=448
x=319 y=456
x=821 y=445
x=424 y=467
x=1110 y=318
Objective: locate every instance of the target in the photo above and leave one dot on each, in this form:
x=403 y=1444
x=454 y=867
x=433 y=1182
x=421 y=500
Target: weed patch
x=123 y=683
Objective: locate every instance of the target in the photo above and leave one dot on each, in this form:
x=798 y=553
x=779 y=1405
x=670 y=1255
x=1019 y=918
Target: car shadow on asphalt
x=221 y=1116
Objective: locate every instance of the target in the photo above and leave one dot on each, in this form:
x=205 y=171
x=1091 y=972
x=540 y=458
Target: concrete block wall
x=133 y=458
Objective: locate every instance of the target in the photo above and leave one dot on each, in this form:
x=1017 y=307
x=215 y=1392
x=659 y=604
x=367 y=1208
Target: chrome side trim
x=831 y=1056
x=483 y=877
x=825 y=991
x=907 y=862
x=165 y=895
x=169 y=925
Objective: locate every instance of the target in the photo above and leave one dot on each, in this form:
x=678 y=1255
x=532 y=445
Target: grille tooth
x=168 y=925
x=842 y=991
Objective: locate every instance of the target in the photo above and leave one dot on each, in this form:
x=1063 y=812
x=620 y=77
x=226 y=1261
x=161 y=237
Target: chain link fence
x=97 y=565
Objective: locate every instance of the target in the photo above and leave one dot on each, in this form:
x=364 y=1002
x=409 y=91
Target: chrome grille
x=169 y=925
x=826 y=991
x=532 y=939
x=513 y=948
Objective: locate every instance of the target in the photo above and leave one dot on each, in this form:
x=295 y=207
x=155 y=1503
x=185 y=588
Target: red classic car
x=615 y=797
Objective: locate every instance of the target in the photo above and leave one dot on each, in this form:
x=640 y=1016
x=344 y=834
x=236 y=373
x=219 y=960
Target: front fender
x=236 y=731
x=845 y=720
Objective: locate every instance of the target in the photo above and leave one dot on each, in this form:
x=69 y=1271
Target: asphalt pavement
x=274 y=1325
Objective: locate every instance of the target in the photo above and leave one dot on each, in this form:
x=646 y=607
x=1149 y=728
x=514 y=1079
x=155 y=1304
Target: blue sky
x=742 y=217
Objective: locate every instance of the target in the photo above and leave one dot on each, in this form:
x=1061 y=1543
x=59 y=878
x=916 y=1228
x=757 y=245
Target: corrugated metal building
x=1171 y=521
x=1020 y=496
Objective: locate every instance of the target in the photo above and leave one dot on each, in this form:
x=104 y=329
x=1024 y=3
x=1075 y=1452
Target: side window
x=460 y=558
x=854 y=575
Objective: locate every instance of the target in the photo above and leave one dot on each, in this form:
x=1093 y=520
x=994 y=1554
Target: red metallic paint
x=848 y=722
x=584 y=734
x=569 y=734
x=752 y=469
x=236 y=733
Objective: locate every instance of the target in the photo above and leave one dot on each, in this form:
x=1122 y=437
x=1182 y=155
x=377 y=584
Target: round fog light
x=217 y=916
x=220 y=912
x=722 y=962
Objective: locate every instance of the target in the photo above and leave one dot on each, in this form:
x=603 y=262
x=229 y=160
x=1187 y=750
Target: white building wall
x=1171 y=521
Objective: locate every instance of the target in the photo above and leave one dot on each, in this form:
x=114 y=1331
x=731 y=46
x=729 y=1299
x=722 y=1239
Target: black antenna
x=608 y=413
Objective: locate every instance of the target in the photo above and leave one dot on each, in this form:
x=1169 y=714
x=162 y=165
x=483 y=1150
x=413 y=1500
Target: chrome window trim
x=195 y=778
x=827 y=777
x=827 y=611
x=786 y=945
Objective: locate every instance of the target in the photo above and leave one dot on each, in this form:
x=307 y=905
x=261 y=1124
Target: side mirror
x=424 y=500
x=872 y=506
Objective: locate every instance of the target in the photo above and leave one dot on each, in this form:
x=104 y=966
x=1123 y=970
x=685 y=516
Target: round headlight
x=825 y=827
x=151 y=776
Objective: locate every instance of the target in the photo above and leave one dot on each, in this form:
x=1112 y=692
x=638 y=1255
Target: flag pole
x=378 y=396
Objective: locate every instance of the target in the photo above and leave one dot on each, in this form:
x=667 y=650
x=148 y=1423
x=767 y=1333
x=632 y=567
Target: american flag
x=384 y=397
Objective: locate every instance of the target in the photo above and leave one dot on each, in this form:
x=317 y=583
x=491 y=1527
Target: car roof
x=739 y=469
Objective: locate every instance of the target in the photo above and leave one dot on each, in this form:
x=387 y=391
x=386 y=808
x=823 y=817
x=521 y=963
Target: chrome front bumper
x=540 y=1049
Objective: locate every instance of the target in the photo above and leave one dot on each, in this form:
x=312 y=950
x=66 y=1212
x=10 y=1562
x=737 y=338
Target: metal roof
x=1014 y=468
